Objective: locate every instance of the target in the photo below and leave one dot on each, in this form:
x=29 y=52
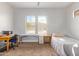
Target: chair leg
x=13 y=47
x=17 y=45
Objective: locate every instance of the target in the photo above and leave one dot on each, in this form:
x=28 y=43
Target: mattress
x=60 y=44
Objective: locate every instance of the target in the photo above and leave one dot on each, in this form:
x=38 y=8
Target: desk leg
x=21 y=40
x=7 y=45
x=38 y=40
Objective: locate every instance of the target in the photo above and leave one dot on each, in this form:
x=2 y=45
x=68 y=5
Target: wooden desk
x=7 y=38
x=28 y=35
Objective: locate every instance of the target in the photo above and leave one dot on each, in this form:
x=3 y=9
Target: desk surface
x=27 y=34
x=5 y=38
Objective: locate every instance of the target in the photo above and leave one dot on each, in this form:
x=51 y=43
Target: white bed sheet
x=58 y=42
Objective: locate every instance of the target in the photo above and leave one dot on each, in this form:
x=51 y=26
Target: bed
x=63 y=45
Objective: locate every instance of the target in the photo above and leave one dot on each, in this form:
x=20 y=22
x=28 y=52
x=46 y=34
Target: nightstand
x=47 y=39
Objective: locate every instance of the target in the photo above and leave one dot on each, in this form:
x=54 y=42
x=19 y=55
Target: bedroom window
x=36 y=25
x=42 y=25
x=30 y=25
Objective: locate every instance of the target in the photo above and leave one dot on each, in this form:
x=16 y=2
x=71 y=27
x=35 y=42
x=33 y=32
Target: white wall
x=55 y=17
x=72 y=23
x=6 y=17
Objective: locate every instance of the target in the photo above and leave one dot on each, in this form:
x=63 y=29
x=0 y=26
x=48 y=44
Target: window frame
x=36 y=24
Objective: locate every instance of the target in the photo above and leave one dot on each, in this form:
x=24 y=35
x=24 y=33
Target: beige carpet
x=31 y=49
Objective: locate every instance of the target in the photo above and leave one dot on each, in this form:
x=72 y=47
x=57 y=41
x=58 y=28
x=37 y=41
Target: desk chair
x=14 y=41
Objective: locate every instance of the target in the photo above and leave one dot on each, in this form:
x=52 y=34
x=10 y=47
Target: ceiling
x=39 y=4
